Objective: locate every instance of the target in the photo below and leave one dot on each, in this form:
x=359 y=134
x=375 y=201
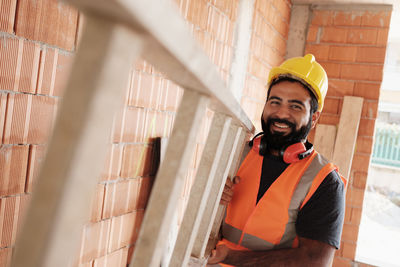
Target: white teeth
x=281 y=125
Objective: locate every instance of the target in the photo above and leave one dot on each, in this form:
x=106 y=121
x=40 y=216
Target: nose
x=282 y=112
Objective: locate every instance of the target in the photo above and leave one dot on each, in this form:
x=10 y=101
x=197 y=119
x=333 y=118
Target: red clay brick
x=333 y=70
x=137 y=160
x=37 y=155
x=342 y=53
x=42 y=118
x=312 y=34
x=5 y=256
x=123 y=231
x=118 y=259
x=347 y=18
x=134 y=125
x=13 y=165
x=9 y=216
x=370 y=109
x=18 y=65
x=376 y=19
x=340 y=87
x=349 y=250
x=47 y=71
x=361 y=162
x=334 y=35
x=322 y=17
x=112 y=167
x=355 y=197
x=366 y=127
x=7 y=16
x=369 y=91
x=371 y=54
x=47 y=21
x=95 y=240
x=362 y=36
x=360 y=179
x=342 y=262
x=283 y=7
x=350 y=233
x=321 y=52
x=362 y=72
x=331 y=105
x=3 y=108
x=356 y=214
x=17 y=119
x=364 y=144
x=116 y=198
x=382 y=37
x=97 y=204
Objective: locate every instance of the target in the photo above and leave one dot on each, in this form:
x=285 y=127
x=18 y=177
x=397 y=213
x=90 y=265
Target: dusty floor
x=379 y=237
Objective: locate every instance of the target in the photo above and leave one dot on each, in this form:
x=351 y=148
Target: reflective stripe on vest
x=299 y=179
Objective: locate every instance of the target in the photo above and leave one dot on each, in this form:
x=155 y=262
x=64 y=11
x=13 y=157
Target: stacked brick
x=148 y=112
x=33 y=68
x=351 y=45
x=267 y=49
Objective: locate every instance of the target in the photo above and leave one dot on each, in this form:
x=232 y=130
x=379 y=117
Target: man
x=286 y=205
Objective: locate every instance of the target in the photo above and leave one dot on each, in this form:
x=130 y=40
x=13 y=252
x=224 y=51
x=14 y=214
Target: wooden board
x=324 y=140
x=347 y=133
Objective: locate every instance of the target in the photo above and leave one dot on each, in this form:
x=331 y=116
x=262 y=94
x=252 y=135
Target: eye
x=273 y=102
x=296 y=107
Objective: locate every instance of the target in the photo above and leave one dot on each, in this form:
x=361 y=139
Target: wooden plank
x=210 y=212
x=199 y=193
x=324 y=140
x=347 y=133
x=186 y=64
x=169 y=181
x=61 y=200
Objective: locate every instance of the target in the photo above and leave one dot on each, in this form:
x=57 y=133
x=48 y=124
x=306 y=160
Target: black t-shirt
x=321 y=218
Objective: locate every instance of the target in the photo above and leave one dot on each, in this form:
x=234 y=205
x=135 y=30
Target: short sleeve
x=322 y=216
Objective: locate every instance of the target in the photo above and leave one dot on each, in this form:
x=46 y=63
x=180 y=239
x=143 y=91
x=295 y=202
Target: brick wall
x=267 y=49
x=37 y=40
x=350 y=42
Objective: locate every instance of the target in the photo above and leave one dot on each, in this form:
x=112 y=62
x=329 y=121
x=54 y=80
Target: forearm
x=280 y=257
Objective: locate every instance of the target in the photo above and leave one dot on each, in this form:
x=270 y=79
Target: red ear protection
x=291 y=154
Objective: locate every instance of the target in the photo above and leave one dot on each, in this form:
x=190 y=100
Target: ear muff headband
x=290 y=154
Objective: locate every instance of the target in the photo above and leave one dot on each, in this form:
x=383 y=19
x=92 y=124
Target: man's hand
x=218 y=254
x=228 y=190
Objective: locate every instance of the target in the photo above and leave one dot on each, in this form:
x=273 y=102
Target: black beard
x=279 y=141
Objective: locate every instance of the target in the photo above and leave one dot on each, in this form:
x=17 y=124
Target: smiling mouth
x=281 y=125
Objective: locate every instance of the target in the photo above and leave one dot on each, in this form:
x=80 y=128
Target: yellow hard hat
x=306 y=69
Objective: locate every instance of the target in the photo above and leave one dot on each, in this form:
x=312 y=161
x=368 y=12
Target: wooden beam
x=171 y=48
x=211 y=158
x=324 y=140
x=347 y=133
x=229 y=170
x=169 y=181
x=61 y=200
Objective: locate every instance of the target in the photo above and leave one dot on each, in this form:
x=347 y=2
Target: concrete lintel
x=352 y=6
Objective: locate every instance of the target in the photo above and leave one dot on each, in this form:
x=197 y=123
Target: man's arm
x=309 y=253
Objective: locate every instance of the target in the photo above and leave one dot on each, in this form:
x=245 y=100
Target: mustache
x=288 y=123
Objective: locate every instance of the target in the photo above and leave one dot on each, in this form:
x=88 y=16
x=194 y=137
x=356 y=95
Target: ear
x=315 y=118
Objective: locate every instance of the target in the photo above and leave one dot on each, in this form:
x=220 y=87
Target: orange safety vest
x=270 y=223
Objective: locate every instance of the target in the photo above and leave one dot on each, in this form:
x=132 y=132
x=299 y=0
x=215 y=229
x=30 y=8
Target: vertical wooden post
x=347 y=133
x=199 y=193
x=169 y=181
x=62 y=197
x=229 y=170
x=324 y=140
